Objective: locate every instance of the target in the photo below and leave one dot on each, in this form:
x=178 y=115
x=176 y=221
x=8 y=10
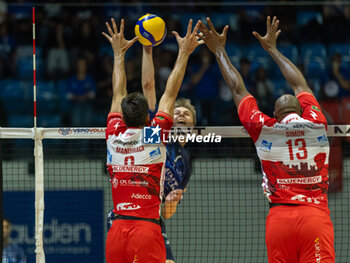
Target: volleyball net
x=220 y=219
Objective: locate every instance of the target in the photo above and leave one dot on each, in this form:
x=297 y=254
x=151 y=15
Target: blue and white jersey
x=177 y=168
x=13 y=254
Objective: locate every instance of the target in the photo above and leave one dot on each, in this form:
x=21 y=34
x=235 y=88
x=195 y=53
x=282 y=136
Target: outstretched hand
x=214 y=40
x=189 y=42
x=174 y=195
x=119 y=44
x=268 y=42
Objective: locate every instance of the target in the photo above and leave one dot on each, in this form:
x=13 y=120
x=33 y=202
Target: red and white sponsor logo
x=303 y=198
x=124 y=182
x=114 y=182
x=127 y=206
x=130 y=169
x=305 y=180
x=141 y=196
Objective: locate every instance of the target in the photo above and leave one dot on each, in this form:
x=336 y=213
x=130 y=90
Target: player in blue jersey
x=11 y=253
x=178 y=164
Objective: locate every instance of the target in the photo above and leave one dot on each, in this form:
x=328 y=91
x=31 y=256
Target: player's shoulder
x=246 y=99
x=306 y=98
x=115 y=123
x=161 y=115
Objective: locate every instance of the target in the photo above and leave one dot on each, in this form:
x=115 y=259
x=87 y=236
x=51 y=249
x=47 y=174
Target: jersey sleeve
x=115 y=124
x=311 y=108
x=165 y=122
x=151 y=113
x=252 y=118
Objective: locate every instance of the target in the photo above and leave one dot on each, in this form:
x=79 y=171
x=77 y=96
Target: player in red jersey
x=136 y=156
x=293 y=150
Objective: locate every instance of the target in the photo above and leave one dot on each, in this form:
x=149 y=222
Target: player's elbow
x=148 y=84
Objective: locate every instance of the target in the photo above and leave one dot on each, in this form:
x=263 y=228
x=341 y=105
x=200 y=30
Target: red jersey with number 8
x=136 y=169
x=293 y=153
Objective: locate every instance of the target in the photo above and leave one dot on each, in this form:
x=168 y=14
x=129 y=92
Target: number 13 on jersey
x=297 y=148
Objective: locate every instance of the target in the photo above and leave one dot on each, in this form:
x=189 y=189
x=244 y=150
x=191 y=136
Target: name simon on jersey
x=295 y=133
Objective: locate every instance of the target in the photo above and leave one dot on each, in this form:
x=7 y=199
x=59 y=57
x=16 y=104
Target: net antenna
x=39 y=169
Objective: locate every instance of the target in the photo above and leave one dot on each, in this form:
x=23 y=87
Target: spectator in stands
x=245 y=69
x=132 y=69
x=204 y=81
x=166 y=61
x=84 y=41
x=58 y=60
x=336 y=23
x=3 y=11
x=11 y=253
x=338 y=80
x=20 y=15
x=341 y=75
x=263 y=91
x=251 y=16
x=7 y=52
x=81 y=91
x=104 y=82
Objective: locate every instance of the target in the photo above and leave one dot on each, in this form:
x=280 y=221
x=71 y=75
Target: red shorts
x=135 y=241
x=300 y=234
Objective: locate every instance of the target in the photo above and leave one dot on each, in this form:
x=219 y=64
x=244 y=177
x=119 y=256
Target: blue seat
x=15 y=97
x=222 y=19
x=342 y=48
x=64 y=103
x=24 y=67
x=99 y=120
x=20 y=120
x=314 y=57
x=303 y=18
x=234 y=52
x=312 y=50
x=49 y=121
x=290 y=51
x=47 y=97
x=258 y=57
x=281 y=87
x=11 y=88
x=105 y=50
x=315 y=67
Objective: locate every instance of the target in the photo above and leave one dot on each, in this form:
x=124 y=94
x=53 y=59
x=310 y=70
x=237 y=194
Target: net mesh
x=221 y=218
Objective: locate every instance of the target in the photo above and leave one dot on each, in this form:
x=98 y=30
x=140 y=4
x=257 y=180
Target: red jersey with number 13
x=293 y=153
x=136 y=169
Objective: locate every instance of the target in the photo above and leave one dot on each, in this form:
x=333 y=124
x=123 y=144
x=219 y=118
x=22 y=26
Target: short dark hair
x=135 y=110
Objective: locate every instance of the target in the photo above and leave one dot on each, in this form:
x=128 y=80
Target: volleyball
x=150 y=29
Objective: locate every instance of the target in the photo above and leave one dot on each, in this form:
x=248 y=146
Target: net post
x=39 y=195
x=39 y=169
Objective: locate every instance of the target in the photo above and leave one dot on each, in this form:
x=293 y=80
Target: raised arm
x=120 y=45
x=148 y=83
x=291 y=73
x=187 y=45
x=169 y=207
x=216 y=44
